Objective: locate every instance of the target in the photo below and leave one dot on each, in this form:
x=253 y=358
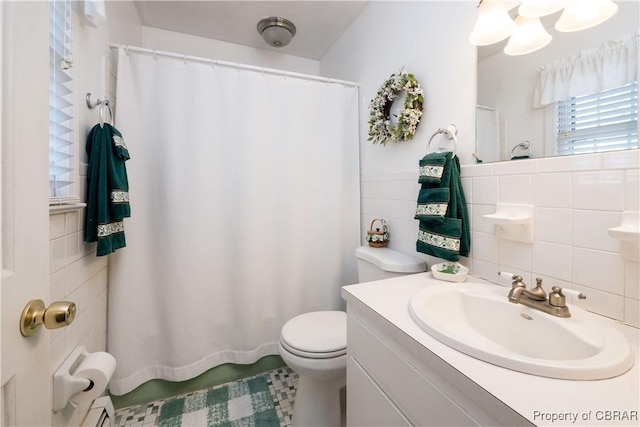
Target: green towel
x=433 y=204
x=440 y=240
x=449 y=237
x=107 y=189
x=433 y=168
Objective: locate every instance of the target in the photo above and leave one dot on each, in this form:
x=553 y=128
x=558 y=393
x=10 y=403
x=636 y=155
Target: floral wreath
x=380 y=127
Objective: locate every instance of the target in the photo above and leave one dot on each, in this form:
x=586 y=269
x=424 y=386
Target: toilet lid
x=319 y=334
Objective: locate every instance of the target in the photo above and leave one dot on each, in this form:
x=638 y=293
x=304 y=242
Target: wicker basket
x=379 y=237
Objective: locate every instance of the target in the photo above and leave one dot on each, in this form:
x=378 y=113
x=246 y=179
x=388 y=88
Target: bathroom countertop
x=537 y=399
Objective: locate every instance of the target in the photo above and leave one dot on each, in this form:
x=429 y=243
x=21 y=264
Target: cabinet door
x=367 y=403
x=412 y=391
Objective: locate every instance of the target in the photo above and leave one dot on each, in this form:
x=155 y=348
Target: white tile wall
x=79 y=276
x=599 y=190
x=576 y=199
x=560 y=197
x=392 y=197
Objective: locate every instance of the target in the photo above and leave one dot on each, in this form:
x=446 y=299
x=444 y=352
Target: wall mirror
x=506 y=123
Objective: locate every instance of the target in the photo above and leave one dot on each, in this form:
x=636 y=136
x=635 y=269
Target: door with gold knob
x=25 y=374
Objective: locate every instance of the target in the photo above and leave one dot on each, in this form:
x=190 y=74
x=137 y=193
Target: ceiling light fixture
x=277 y=32
x=528 y=37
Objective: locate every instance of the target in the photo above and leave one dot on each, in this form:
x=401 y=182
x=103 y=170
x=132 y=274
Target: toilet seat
x=316 y=335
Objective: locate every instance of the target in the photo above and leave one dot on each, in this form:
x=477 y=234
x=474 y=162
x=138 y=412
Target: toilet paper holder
x=65 y=385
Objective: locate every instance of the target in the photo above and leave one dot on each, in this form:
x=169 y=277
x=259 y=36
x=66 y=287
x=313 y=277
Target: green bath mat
x=242 y=404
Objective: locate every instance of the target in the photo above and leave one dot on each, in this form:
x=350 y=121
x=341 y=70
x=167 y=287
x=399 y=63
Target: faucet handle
x=506 y=275
x=515 y=279
x=558 y=299
x=572 y=293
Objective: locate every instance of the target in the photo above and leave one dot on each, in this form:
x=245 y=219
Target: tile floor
x=282 y=385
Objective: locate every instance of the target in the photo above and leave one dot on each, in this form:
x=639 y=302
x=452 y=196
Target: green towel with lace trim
x=432 y=169
x=432 y=204
x=441 y=234
x=107 y=189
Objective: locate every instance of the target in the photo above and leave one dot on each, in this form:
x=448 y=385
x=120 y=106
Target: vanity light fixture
x=583 y=14
x=493 y=23
x=528 y=37
x=277 y=32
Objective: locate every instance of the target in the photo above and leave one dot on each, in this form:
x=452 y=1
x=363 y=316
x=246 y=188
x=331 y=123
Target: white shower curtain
x=244 y=192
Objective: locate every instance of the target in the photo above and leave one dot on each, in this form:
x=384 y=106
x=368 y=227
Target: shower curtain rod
x=235 y=65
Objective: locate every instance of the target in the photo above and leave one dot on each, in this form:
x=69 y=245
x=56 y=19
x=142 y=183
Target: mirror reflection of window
x=603 y=121
x=594 y=96
x=507 y=83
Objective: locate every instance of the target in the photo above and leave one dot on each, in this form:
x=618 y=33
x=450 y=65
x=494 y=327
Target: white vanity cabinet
x=399 y=375
x=394 y=381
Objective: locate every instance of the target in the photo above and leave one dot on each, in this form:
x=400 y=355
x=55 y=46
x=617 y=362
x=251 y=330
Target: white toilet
x=315 y=344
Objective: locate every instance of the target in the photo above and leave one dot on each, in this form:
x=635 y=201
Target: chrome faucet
x=536 y=298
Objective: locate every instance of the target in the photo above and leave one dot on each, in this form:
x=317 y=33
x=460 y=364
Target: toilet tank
x=384 y=263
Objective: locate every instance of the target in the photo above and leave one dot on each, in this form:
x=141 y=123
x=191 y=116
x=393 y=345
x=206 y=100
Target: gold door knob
x=57 y=315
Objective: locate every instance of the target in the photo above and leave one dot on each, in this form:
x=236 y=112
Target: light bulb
x=492 y=25
x=528 y=37
x=583 y=14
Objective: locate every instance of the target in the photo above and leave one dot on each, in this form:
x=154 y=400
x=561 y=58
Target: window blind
x=62 y=150
x=604 y=121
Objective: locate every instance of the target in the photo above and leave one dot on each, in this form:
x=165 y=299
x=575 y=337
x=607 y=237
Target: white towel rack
x=102 y=103
x=449 y=132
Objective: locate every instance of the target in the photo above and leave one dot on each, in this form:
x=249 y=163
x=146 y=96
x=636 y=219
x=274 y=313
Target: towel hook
x=450 y=133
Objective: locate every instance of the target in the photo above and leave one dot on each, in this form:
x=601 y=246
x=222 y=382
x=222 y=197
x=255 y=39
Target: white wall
x=170 y=41
x=428 y=38
x=576 y=198
x=508 y=82
x=76 y=273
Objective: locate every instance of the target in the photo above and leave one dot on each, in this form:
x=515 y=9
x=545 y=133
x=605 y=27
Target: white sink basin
x=477 y=319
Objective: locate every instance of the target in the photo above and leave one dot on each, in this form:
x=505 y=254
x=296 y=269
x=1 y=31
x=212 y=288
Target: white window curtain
x=612 y=65
x=245 y=213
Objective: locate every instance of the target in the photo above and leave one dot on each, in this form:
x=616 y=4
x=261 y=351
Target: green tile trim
x=162 y=389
